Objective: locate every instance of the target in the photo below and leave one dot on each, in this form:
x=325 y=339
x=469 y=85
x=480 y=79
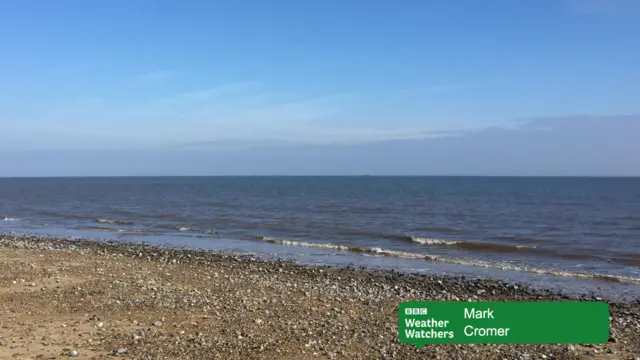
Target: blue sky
x=121 y=74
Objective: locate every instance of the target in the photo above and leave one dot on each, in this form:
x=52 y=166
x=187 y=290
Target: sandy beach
x=92 y=300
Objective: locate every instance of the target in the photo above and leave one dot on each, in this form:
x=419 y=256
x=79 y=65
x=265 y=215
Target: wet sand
x=60 y=298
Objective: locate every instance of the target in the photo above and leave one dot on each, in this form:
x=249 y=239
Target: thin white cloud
x=365 y=135
x=281 y=121
x=302 y=110
x=208 y=94
x=154 y=76
x=242 y=111
x=435 y=89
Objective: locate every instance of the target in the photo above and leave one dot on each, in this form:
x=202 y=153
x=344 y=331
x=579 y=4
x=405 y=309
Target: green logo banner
x=422 y=323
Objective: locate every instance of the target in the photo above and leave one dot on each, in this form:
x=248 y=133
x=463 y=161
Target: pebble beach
x=64 y=298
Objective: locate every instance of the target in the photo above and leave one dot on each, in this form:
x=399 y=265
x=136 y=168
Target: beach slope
x=60 y=298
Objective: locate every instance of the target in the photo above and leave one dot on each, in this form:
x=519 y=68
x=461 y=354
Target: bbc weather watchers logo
x=415 y=311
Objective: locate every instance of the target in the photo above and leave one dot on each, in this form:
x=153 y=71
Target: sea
x=577 y=235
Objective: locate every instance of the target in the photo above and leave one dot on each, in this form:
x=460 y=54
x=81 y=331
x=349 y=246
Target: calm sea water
x=580 y=234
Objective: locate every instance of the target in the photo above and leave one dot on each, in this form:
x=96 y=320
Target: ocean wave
x=368 y=234
x=628 y=262
x=507 y=248
x=430 y=241
x=451 y=260
x=61 y=215
x=98 y=228
x=525 y=239
x=172 y=227
x=309 y=244
x=114 y=222
x=443 y=229
x=473 y=245
x=11 y=219
x=198 y=236
x=382 y=235
x=138 y=232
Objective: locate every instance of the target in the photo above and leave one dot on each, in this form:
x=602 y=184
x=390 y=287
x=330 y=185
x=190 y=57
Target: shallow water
x=580 y=234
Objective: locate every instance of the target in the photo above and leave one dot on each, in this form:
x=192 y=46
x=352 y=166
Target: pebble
x=277 y=287
x=73 y=353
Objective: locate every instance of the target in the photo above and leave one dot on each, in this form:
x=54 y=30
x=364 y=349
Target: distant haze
x=579 y=146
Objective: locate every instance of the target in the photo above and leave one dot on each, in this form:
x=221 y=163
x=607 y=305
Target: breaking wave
x=98 y=228
x=430 y=241
x=11 y=219
x=114 y=222
x=451 y=260
x=471 y=245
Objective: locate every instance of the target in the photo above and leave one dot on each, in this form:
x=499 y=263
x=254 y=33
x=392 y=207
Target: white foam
x=430 y=241
x=511 y=267
x=11 y=219
x=394 y=253
x=183 y=229
x=376 y=251
x=109 y=221
x=106 y=221
x=525 y=247
x=306 y=244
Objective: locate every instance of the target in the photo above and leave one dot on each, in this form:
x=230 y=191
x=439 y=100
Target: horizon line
x=306 y=176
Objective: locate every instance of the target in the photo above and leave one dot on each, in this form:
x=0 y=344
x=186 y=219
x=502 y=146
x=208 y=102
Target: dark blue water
x=581 y=233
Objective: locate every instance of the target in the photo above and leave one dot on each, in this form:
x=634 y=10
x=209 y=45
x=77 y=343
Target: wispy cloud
x=249 y=111
x=284 y=120
x=306 y=109
x=208 y=94
x=436 y=89
x=356 y=135
x=154 y=76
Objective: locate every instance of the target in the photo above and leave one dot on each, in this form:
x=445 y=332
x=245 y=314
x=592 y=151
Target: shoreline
x=611 y=286
x=348 y=312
